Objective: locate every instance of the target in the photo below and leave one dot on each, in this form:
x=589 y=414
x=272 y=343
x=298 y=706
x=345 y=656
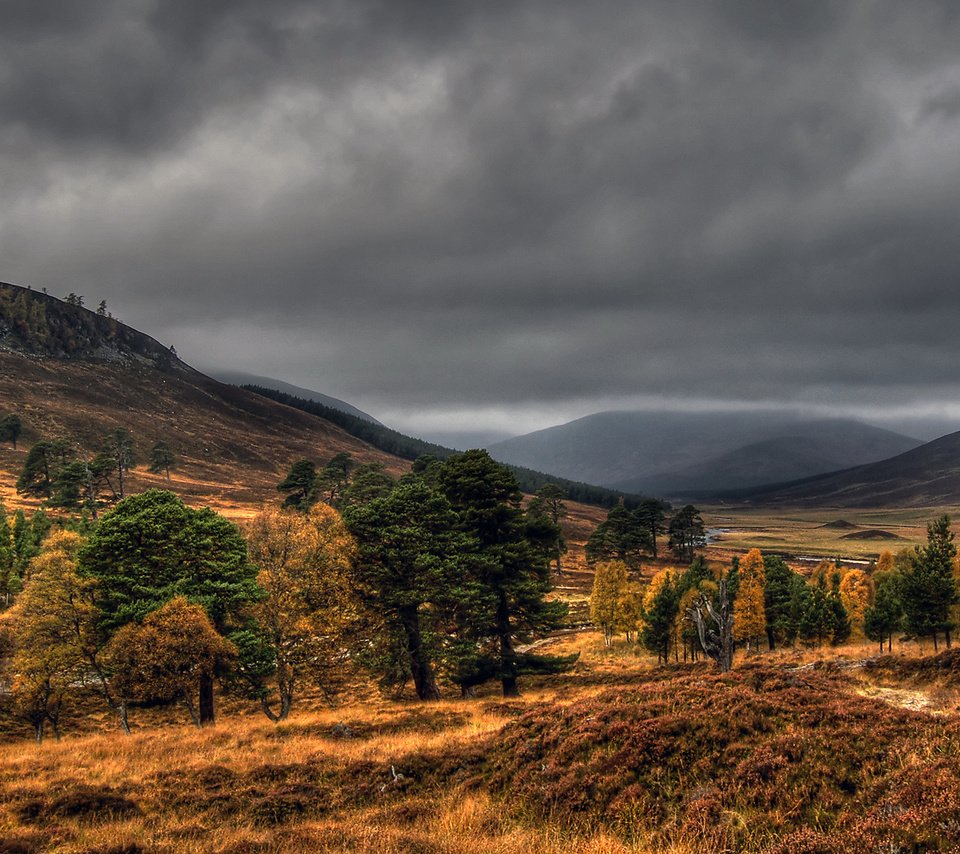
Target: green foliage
x=885 y=615
x=10 y=429
x=687 y=533
x=659 y=618
x=408 y=567
x=368 y=483
x=622 y=536
x=152 y=547
x=780 y=594
x=929 y=587
x=511 y=573
x=299 y=484
x=162 y=458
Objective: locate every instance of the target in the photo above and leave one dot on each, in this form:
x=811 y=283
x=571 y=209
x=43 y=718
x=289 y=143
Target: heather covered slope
x=72 y=373
x=233 y=446
x=615 y=757
x=927 y=476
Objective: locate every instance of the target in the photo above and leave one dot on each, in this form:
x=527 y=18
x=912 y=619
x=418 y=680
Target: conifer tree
x=619 y=537
x=162 y=458
x=151 y=548
x=512 y=573
x=408 y=554
x=885 y=615
x=929 y=588
x=10 y=429
x=659 y=615
x=780 y=591
x=687 y=533
x=749 y=612
x=300 y=485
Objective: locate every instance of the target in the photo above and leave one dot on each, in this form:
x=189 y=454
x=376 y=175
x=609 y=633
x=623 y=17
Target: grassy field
x=616 y=756
x=820 y=533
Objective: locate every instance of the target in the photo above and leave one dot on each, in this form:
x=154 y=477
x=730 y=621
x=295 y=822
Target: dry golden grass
x=249 y=785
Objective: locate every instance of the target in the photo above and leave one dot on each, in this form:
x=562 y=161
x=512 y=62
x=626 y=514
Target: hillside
x=678 y=453
x=927 y=476
x=71 y=373
x=243 y=379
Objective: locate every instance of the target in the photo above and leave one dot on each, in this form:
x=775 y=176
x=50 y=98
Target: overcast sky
x=503 y=214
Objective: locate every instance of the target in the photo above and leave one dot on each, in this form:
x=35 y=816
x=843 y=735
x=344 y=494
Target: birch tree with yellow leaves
x=749 y=613
x=304 y=563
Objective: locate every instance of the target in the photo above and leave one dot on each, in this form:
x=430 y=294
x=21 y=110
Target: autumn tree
x=885 y=562
x=856 y=591
x=53 y=626
x=749 y=610
x=609 y=586
x=10 y=429
x=162 y=458
x=166 y=657
x=152 y=548
x=305 y=567
x=629 y=614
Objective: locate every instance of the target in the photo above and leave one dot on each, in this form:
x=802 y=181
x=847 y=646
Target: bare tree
x=714 y=622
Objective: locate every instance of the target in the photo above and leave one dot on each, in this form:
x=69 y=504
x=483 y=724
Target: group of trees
x=56 y=470
x=431 y=579
x=914 y=593
x=629 y=535
x=457 y=571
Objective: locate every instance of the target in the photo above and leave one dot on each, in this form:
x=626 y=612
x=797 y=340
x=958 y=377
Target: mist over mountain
x=682 y=453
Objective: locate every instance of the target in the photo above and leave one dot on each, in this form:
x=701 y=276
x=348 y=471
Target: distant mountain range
x=688 y=454
x=927 y=476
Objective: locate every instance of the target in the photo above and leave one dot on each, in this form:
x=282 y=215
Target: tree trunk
x=508 y=666
x=38 y=734
x=423 y=679
x=207 y=715
x=935 y=647
x=948 y=638
x=770 y=639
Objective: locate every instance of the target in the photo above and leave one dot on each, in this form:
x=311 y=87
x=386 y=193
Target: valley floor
x=794 y=751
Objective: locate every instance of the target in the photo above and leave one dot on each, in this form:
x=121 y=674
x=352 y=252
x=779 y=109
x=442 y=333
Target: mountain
x=927 y=476
x=75 y=374
x=683 y=453
x=240 y=378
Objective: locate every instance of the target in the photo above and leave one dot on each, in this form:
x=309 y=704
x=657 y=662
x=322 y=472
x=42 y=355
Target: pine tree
x=151 y=548
x=511 y=571
x=929 y=588
x=409 y=565
x=687 y=533
x=885 y=615
x=299 y=484
x=621 y=537
x=659 y=615
x=162 y=458
x=780 y=588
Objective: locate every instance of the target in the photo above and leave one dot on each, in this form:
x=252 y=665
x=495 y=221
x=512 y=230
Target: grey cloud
x=460 y=204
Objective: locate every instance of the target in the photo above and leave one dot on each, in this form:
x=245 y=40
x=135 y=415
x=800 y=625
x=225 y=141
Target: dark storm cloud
x=461 y=206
